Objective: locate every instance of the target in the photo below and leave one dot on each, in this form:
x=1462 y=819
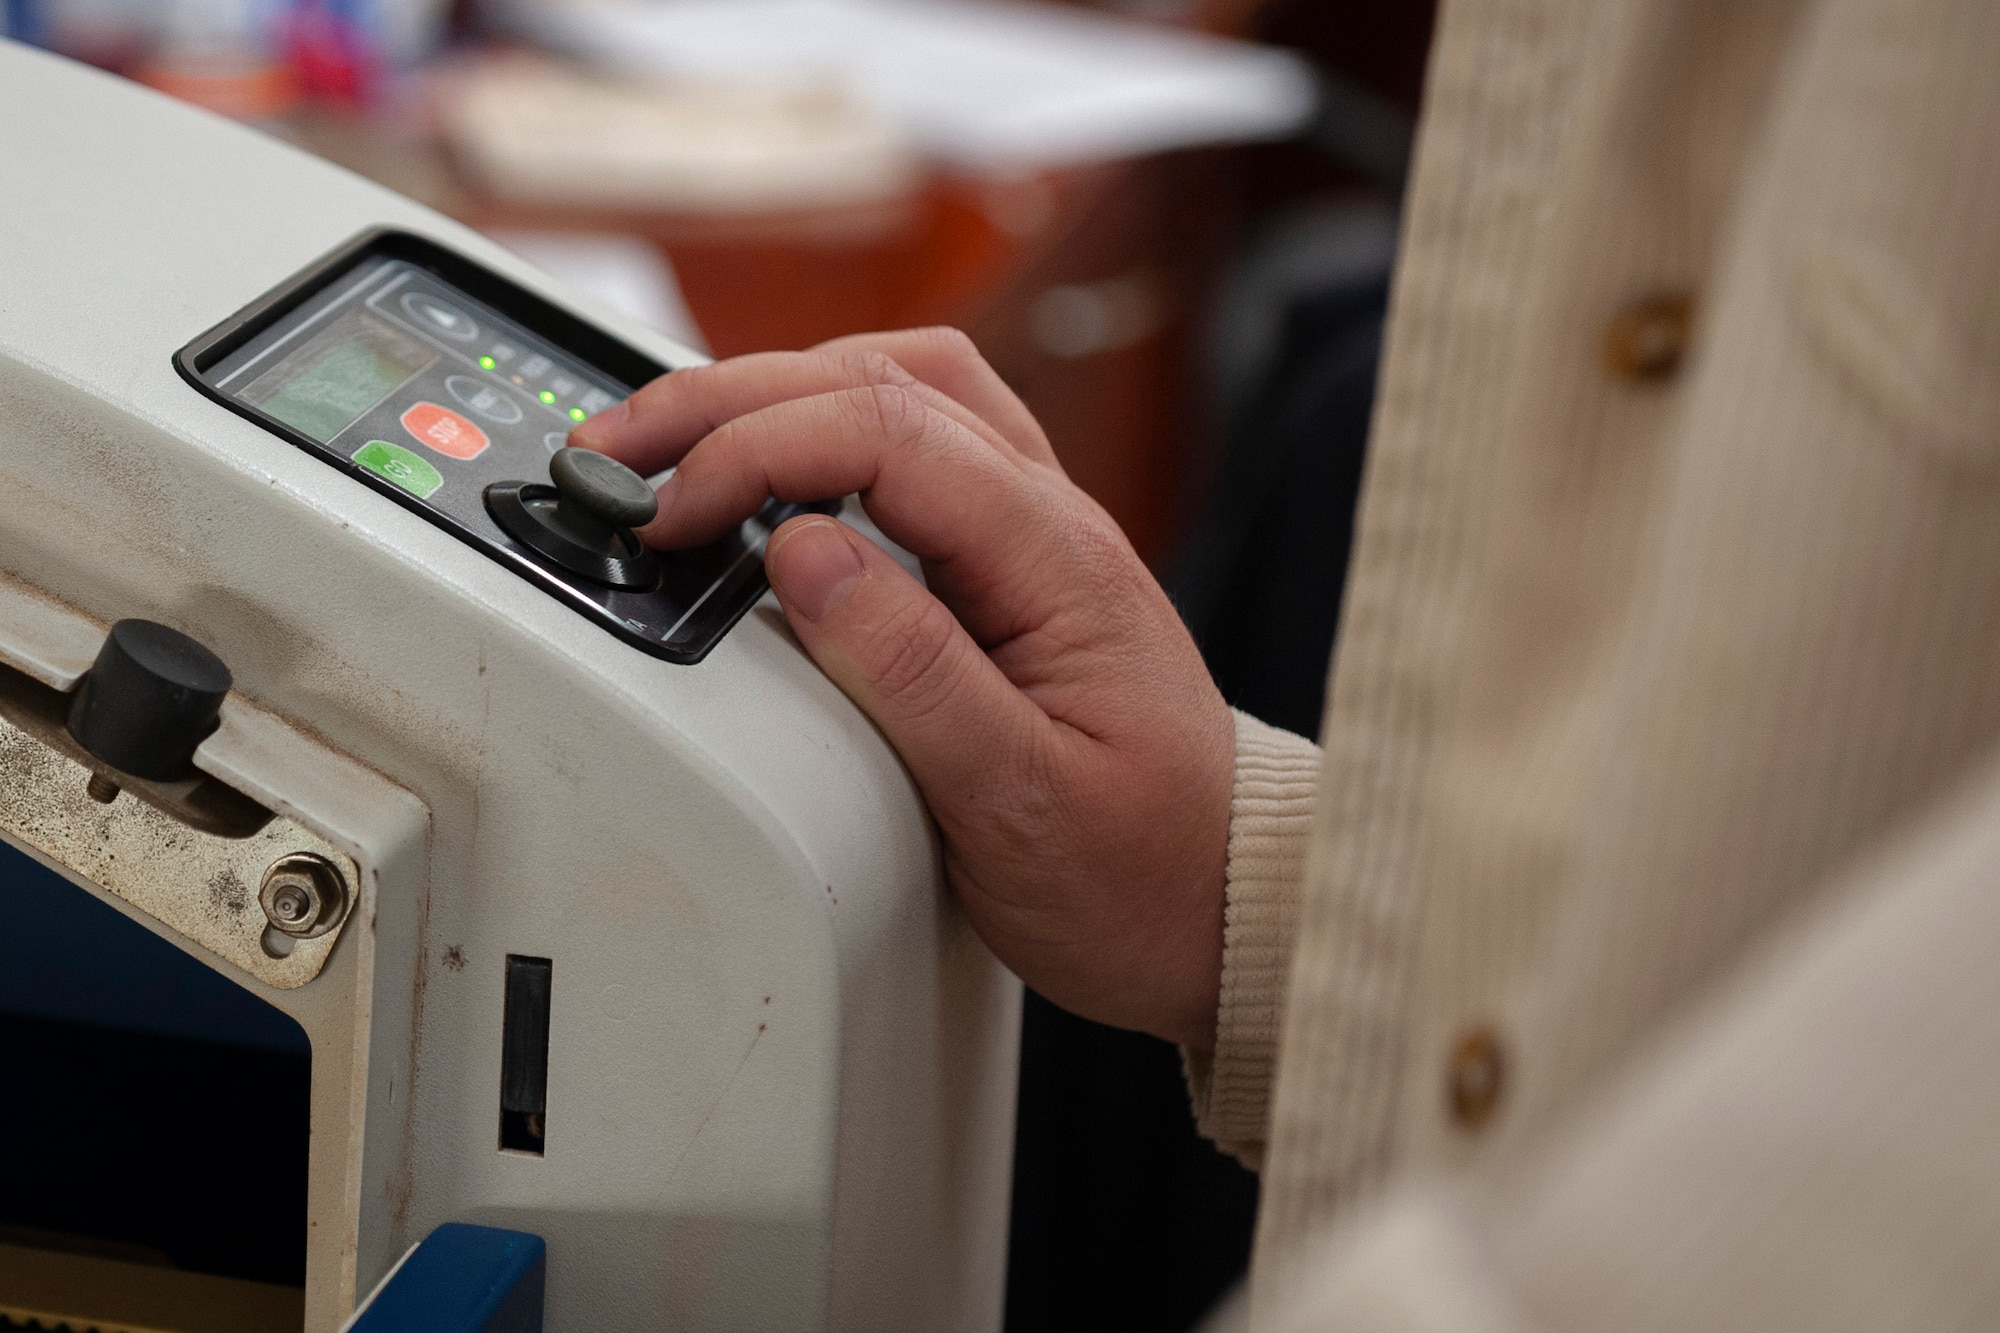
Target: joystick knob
x=151 y=697
x=598 y=495
x=584 y=522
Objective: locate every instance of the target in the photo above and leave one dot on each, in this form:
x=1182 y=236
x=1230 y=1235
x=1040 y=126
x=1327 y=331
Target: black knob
x=584 y=522
x=150 y=698
x=598 y=494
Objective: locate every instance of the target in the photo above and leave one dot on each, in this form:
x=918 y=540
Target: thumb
x=899 y=654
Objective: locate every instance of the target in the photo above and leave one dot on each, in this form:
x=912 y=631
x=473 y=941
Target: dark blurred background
x=1169 y=224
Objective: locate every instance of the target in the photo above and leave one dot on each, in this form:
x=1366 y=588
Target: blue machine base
x=461 y=1279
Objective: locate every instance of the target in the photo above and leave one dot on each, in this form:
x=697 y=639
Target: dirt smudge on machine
x=227 y=890
x=401 y=1185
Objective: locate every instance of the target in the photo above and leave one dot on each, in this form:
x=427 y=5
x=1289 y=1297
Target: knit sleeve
x=1270 y=823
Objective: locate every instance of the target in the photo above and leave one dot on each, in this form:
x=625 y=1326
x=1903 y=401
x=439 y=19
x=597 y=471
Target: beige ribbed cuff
x=1270 y=824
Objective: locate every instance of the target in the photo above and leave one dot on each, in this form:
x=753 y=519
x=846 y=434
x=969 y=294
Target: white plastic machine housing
x=781 y=1067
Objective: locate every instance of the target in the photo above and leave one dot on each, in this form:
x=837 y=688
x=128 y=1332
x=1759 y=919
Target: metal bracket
x=200 y=802
x=193 y=855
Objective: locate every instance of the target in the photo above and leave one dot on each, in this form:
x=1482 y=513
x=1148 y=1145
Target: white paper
x=981 y=83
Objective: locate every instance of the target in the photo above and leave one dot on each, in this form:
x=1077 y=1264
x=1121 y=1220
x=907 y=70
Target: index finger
x=656 y=426
x=947 y=360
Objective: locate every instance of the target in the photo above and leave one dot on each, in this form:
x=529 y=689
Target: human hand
x=1043 y=692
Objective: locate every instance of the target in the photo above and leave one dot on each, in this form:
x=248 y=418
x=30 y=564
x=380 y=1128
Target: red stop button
x=445 y=431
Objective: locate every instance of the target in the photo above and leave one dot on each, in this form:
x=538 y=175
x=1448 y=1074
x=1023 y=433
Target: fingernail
x=812 y=567
x=592 y=433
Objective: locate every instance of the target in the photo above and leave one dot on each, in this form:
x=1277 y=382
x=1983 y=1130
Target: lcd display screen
x=338 y=374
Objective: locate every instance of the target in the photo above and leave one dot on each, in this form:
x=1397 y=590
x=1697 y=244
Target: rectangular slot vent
x=524 y=1056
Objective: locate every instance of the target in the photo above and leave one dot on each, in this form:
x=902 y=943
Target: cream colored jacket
x=1643 y=971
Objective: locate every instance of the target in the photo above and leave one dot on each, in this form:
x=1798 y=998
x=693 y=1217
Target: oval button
x=484 y=399
x=438 y=317
x=445 y=431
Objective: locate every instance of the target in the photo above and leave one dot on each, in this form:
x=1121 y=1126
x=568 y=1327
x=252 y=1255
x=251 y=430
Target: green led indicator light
x=578 y=413
x=486 y=363
x=548 y=397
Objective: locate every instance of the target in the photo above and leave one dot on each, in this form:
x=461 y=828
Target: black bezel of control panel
x=728 y=599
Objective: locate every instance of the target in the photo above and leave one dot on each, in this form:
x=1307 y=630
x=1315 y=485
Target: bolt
x=101 y=789
x=303 y=895
x=292 y=904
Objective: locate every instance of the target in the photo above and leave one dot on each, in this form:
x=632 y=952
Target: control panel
x=453 y=390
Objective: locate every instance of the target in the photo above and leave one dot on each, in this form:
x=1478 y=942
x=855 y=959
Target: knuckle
x=876 y=367
x=1096 y=538
x=903 y=420
x=884 y=410
x=1097 y=558
x=918 y=657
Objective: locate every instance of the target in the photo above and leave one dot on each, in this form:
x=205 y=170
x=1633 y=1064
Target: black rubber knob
x=151 y=697
x=602 y=490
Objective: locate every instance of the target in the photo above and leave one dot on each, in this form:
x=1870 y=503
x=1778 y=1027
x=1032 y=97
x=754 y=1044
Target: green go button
x=397 y=464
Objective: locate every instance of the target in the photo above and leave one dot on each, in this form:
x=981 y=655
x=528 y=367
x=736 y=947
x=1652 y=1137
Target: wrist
x=1191 y=1004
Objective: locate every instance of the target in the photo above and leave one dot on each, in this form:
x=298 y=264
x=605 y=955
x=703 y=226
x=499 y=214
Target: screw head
x=294 y=903
x=303 y=895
